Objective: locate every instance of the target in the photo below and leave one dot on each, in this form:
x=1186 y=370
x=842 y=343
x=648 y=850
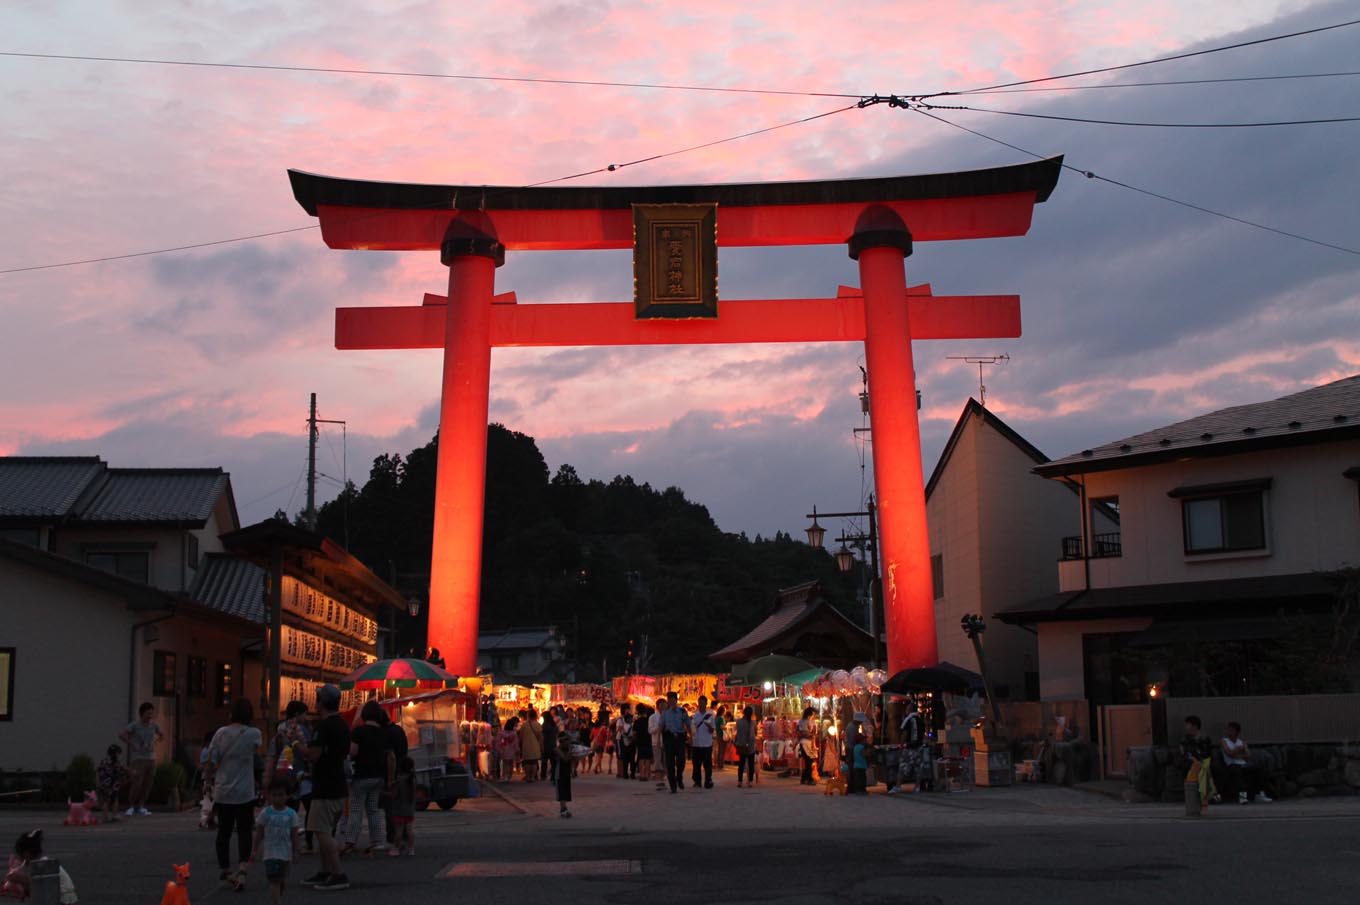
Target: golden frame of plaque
x=675 y=260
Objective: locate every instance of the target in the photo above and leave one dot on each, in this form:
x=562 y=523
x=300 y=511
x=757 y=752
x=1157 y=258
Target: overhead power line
x=1142 y=191
x=158 y=251
x=1178 y=56
x=609 y=168
x=1168 y=82
x=399 y=73
x=1120 y=122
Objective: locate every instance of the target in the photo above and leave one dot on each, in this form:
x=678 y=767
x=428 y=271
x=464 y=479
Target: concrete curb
x=505 y=797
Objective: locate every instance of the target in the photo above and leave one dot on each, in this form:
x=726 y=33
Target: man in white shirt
x=701 y=744
x=1243 y=776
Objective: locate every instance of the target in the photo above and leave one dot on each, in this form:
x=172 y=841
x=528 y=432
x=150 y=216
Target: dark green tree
x=605 y=562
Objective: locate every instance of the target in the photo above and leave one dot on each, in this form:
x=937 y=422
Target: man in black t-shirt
x=327 y=753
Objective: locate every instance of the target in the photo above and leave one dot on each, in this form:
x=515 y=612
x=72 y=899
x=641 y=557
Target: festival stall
x=635 y=690
x=736 y=698
x=439 y=714
x=689 y=688
x=838 y=696
x=575 y=696
x=511 y=699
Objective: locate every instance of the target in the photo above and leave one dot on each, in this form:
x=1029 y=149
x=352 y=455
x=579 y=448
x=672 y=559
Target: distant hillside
x=605 y=562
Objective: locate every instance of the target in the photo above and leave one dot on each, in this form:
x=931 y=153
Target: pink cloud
x=106 y=159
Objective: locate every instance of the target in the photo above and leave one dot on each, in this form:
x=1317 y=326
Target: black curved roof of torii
x=312 y=190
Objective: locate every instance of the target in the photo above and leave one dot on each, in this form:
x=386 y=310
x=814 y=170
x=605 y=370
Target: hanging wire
x=398 y=73
x=1168 y=59
x=609 y=168
x=1142 y=191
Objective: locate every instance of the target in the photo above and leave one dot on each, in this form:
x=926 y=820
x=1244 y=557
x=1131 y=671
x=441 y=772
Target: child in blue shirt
x=859 y=766
x=279 y=828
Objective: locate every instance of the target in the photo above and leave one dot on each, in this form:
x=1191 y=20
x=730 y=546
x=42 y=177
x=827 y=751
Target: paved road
x=784 y=844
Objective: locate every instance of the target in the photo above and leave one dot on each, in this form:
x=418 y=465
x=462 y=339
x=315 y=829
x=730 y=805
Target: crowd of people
x=328 y=786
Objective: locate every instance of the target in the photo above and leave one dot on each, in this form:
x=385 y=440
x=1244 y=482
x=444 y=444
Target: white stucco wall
x=1312 y=516
x=71 y=668
x=72 y=646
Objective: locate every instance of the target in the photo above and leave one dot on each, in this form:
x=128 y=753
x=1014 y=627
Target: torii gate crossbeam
x=879 y=219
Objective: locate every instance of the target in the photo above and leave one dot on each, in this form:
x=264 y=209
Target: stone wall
x=1155 y=774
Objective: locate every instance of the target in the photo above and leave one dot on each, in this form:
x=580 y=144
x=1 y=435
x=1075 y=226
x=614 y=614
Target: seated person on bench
x=1243 y=776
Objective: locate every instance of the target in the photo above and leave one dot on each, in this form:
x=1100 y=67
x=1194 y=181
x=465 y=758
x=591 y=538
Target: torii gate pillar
x=880 y=244
x=472 y=253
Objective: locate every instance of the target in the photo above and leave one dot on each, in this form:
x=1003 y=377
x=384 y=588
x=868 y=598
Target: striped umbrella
x=399 y=673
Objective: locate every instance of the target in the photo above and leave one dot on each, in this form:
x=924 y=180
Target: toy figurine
x=81 y=813
x=177 y=890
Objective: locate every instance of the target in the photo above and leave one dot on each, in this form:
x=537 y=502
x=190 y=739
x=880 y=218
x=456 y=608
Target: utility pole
x=309 y=516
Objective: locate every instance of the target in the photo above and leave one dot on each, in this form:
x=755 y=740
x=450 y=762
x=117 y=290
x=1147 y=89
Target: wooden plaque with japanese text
x=675 y=260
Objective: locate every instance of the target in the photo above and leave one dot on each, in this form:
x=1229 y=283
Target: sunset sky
x=1137 y=312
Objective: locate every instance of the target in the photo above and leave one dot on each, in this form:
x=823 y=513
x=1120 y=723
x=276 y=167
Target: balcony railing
x=1106 y=545
x=1102 y=546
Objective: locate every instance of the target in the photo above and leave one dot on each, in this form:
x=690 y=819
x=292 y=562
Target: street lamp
x=815 y=532
x=413 y=607
x=845 y=560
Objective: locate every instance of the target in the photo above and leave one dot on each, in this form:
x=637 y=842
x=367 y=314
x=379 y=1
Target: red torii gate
x=473 y=227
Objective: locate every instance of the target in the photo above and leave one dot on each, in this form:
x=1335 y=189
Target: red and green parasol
x=399 y=673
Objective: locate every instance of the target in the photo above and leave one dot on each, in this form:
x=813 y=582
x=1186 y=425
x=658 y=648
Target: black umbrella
x=944 y=676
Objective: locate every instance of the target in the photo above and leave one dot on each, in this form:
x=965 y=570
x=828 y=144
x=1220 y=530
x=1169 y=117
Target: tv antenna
x=981 y=361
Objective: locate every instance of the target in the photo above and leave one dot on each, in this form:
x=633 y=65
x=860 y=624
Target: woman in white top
x=1244 y=777
x=232 y=755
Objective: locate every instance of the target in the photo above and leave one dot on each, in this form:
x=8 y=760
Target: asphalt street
x=628 y=843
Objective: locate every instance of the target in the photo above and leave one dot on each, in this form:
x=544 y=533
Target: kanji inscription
x=675 y=260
